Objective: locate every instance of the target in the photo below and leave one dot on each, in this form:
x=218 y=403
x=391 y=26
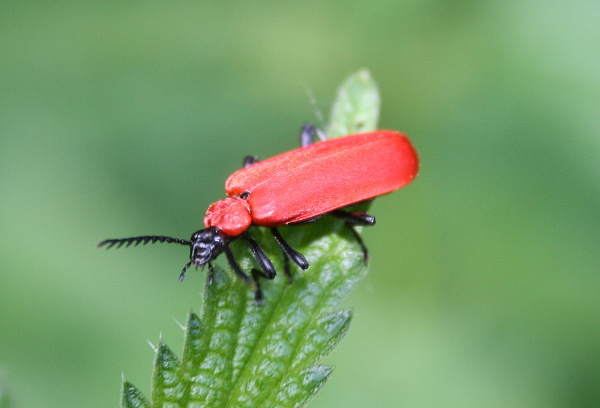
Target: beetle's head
x=206 y=245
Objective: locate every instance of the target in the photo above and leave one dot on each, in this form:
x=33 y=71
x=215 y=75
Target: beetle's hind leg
x=353 y=219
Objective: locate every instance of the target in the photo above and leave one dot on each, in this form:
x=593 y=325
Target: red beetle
x=294 y=187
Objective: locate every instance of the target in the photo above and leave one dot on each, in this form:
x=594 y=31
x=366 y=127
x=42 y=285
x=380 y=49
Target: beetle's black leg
x=290 y=253
x=360 y=241
x=309 y=221
x=307 y=134
x=286 y=267
x=185 y=268
x=250 y=160
x=256 y=273
x=266 y=270
x=258 y=293
x=234 y=265
x=356 y=218
x=261 y=258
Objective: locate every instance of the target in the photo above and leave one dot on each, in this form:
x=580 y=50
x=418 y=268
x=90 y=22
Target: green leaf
x=131 y=397
x=239 y=354
x=356 y=108
x=167 y=386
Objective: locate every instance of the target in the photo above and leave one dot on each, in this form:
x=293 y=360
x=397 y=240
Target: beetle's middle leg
x=289 y=253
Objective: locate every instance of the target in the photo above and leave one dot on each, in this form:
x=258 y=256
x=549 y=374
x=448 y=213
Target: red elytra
x=311 y=181
x=297 y=186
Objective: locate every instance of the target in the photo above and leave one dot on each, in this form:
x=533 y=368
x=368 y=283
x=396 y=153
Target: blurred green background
x=125 y=118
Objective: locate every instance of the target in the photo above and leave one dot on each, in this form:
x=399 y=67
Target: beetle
x=299 y=186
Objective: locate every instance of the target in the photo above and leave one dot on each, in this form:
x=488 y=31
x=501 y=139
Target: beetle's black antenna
x=109 y=243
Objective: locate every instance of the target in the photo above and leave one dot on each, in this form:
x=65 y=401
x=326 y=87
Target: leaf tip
x=131 y=397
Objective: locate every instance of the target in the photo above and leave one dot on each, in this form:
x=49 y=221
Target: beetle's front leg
x=262 y=259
